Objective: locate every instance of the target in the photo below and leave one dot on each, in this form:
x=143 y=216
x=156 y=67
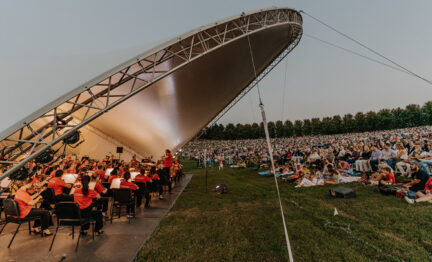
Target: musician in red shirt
x=57 y=184
x=142 y=180
x=25 y=203
x=167 y=169
x=101 y=173
x=113 y=175
x=126 y=184
x=53 y=172
x=102 y=202
x=84 y=196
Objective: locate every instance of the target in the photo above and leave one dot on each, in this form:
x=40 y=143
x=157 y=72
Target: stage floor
x=121 y=240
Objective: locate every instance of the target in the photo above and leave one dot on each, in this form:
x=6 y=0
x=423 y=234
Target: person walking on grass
x=221 y=166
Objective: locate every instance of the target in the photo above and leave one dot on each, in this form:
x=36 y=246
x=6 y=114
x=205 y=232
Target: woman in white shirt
x=403 y=160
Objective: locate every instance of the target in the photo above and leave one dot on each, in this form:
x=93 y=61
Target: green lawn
x=245 y=224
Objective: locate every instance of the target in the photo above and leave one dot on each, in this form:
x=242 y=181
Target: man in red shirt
x=113 y=175
x=57 y=184
x=25 y=203
x=167 y=169
x=126 y=184
x=55 y=168
x=388 y=178
x=101 y=173
x=142 y=181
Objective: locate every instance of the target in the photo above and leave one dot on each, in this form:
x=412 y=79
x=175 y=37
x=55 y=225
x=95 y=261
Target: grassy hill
x=245 y=224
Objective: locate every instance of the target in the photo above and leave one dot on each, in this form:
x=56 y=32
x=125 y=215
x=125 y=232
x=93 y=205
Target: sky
x=50 y=47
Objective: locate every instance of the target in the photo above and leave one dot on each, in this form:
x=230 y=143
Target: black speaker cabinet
x=119 y=149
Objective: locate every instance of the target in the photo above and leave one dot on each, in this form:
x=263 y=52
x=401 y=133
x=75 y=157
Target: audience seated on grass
x=377 y=158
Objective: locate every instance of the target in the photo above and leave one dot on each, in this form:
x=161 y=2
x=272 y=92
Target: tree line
x=385 y=119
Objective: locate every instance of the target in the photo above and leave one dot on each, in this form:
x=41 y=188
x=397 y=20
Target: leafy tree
x=413 y=115
x=316 y=126
x=272 y=129
x=371 y=121
x=427 y=113
x=307 y=127
x=348 y=123
x=279 y=129
x=385 y=119
x=298 y=128
x=336 y=125
x=359 y=119
x=288 y=129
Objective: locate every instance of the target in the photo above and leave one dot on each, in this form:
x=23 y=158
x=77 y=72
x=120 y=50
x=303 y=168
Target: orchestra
x=89 y=183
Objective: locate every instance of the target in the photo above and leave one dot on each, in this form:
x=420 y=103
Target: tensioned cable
x=368 y=48
x=357 y=54
x=261 y=105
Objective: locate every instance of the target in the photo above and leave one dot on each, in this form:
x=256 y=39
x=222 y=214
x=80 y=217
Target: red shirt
x=82 y=200
x=101 y=175
x=168 y=160
x=52 y=174
x=142 y=179
x=99 y=188
x=428 y=185
x=57 y=184
x=35 y=181
x=390 y=178
x=126 y=184
x=155 y=177
x=110 y=179
x=23 y=200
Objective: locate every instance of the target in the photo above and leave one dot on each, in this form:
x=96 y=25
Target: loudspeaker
x=20 y=174
x=119 y=149
x=72 y=139
x=45 y=157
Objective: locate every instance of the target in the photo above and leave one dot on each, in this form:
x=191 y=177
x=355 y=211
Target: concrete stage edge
x=121 y=241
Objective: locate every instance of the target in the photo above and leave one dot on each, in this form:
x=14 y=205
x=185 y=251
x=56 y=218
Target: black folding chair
x=69 y=214
x=109 y=191
x=49 y=198
x=12 y=214
x=122 y=197
x=142 y=191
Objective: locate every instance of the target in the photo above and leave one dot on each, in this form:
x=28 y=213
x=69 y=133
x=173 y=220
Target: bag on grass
x=388 y=190
x=289 y=179
x=221 y=189
x=342 y=192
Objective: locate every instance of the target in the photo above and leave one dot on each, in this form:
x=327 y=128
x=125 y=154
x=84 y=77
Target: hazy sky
x=50 y=47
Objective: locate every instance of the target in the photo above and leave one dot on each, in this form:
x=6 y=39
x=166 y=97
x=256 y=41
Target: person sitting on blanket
x=331 y=175
x=376 y=177
x=419 y=176
x=387 y=177
x=423 y=195
x=343 y=166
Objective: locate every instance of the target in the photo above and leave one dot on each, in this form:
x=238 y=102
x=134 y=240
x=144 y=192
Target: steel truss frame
x=55 y=122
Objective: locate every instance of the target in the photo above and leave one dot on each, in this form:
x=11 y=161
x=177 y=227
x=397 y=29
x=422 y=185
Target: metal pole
x=270 y=149
x=206 y=171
